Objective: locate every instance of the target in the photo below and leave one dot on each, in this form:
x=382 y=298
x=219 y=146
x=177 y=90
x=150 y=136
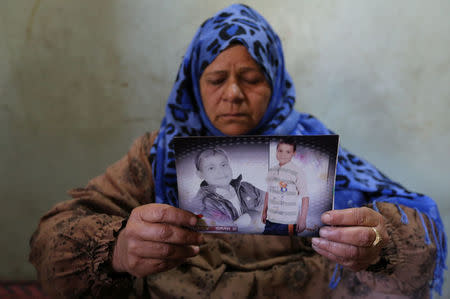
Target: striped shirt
x=286 y=186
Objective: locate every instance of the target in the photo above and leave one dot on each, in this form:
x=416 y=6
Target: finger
x=328 y=255
x=352 y=264
x=141 y=267
x=157 y=250
x=353 y=235
x=344 y=253
x=354 y=216
x=161 y=213
x=166 y=233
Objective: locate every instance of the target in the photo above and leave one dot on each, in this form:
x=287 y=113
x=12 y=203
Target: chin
x=234 y=130
x=234 y=127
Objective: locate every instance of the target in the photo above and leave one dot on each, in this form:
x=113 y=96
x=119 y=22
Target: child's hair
x=207 y=153
x=289 y=141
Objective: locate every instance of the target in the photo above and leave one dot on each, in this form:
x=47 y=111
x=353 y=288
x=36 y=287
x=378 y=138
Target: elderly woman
x=124 y=235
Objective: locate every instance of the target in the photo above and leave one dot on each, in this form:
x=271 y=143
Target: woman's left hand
x=349 y=240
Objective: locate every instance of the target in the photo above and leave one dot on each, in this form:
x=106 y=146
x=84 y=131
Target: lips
x=233 y=115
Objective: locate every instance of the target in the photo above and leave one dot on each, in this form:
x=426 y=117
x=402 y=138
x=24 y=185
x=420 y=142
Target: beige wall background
x=79 y=80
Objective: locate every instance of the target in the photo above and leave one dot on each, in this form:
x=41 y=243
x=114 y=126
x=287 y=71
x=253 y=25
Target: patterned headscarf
x=357 y=183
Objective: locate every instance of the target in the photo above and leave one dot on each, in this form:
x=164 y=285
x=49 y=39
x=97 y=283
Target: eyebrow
x=212 y=73
x=241 y=70
x=249 y=69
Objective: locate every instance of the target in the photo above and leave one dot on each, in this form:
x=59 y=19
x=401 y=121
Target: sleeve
x=73 y=245
x=215 y=211
x=252 y=196
x=406 y=265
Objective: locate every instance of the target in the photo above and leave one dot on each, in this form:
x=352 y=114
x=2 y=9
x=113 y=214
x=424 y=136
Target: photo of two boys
x=268 y=185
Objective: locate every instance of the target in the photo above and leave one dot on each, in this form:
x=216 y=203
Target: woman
x=124 y=224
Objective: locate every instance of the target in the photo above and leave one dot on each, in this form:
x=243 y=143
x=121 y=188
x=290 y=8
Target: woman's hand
x=154 y=240
x=349 y=241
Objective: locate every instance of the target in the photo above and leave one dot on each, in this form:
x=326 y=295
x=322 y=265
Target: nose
x=233 y=93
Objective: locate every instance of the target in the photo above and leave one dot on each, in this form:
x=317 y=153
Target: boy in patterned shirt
x=286 y=185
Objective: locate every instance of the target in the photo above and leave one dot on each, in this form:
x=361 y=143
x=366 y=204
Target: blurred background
x=80 y=80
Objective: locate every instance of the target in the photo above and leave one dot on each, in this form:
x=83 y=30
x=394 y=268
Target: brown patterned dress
x=73 y=245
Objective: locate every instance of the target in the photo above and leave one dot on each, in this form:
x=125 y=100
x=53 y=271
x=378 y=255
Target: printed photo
x=274 y=185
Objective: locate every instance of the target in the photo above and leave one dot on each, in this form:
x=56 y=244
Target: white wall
x=79 y=80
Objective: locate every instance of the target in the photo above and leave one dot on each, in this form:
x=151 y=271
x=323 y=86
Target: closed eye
x=252 y=80
x=251 y=76
x=215 y=81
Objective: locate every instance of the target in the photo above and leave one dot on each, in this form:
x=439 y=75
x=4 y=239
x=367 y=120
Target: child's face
x=285 y=152
x=215 y=170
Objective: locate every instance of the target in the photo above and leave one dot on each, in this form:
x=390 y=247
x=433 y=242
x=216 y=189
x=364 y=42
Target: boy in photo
x=221 y=199
x=286 y=186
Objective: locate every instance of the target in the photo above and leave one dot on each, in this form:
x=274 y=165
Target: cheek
x=217 y=173
x=260 y=100
x=211 y=103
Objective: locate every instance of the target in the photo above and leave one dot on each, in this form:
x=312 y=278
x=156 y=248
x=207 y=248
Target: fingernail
x=196 y=249
x=324 y=232
x=315 y=241
x=326 y=218
x=193 y=221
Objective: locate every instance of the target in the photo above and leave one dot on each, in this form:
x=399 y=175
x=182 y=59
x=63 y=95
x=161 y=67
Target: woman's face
x=235 y=92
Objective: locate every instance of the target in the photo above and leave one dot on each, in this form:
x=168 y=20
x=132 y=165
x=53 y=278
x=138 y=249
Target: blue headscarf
x=357 y=182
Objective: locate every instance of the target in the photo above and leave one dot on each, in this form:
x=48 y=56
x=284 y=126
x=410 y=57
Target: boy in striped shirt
x=282 y=214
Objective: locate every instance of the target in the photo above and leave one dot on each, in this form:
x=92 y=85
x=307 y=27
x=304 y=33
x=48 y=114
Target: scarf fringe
x=427 y=235
x=374 y=202
x=404 y=218
x=336 y=278
x=441 y=250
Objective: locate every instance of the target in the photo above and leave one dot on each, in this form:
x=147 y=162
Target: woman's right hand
x=155 y=239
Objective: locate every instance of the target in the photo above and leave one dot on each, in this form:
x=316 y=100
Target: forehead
x=235 y=56
x=213 y=159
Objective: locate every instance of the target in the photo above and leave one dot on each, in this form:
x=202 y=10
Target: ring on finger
x=377 y=237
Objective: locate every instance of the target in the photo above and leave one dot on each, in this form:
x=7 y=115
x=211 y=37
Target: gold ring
x=377 y=237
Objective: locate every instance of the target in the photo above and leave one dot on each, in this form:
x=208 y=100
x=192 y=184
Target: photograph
x=271 y=185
